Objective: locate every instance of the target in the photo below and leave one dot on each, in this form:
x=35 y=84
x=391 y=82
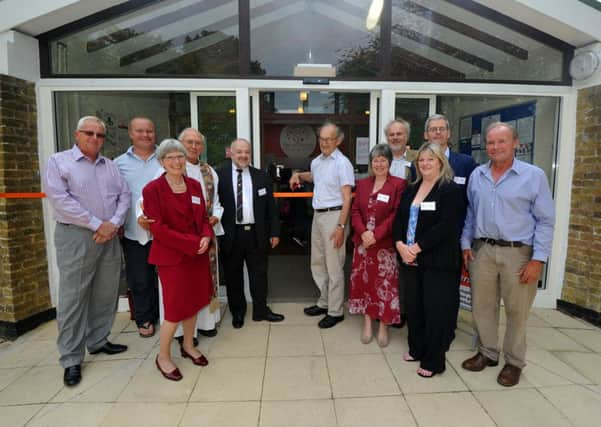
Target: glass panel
x=289 y=121
x=170 y=113
x=536 y=119
x=415 y=111
x=217 y=122
x=287 y=33
x=434 y=40
x=172 y=37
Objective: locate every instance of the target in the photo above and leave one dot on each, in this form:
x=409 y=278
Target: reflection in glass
x=170 y=113
x=415 y=111
x=171 y=37
x=217 y=122
x=287 y=33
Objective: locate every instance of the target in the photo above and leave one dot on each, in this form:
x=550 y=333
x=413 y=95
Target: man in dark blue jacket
x=438 y=131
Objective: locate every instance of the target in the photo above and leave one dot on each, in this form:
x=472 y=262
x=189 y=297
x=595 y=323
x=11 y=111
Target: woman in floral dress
x=374 y=278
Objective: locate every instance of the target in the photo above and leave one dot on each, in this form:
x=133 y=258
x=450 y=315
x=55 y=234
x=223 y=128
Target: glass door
x=286 y=124
x=214 y=114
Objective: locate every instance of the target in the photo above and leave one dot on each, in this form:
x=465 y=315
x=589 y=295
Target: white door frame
x=385 y=92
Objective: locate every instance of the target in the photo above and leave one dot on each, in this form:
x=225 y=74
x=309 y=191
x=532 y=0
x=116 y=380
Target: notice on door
x=362 y=151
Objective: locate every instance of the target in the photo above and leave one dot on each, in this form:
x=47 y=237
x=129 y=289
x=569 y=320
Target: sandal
x=146 y=330
x=408 y=358
x=424 y=373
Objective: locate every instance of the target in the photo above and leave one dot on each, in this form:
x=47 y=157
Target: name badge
x=428 y=206
x=195 y=200
x=262 y=191
x=459 y=180
x=383 y=198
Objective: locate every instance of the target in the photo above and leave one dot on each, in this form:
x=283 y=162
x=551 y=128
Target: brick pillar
x=581 y=293
x=24 y=290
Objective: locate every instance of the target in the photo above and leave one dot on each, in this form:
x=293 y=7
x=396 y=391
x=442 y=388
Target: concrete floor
x=294 y=374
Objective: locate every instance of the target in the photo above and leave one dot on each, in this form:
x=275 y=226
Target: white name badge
x=428 y=206
x=196 y=200
x=383 y=198
x=262 y=191
x=459 y=180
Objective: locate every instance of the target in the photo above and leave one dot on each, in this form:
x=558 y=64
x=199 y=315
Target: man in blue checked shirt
x=506 y=240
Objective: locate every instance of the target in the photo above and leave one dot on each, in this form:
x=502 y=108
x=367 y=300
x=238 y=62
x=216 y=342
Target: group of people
x=172 y=206
x=413 y=225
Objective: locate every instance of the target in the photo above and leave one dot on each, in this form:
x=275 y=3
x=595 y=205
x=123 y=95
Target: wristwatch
x=341 y=226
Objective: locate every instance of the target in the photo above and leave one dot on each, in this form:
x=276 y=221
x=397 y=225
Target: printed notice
x=362 y=151
x=525 y=129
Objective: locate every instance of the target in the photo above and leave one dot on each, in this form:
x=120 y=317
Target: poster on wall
x=362 y=151
x=521 y=116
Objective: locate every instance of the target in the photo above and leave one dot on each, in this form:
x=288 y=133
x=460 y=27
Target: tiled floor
x=294 y=374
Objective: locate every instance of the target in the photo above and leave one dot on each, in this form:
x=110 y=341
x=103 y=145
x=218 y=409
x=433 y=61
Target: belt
x=502 y=243
x=335 y=208
x=245 y=227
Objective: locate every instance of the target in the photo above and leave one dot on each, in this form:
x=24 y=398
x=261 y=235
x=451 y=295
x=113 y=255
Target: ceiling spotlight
x=373 y=16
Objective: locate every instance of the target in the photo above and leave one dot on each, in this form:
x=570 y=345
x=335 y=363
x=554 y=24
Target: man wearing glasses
x=90 y=201
x=332 y=174
x=139 y=165
x=438 y=131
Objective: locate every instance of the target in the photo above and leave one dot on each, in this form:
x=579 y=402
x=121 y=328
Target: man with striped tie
x=251 y=224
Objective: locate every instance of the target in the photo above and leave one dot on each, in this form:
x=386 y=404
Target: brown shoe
x=509 y=375
x=478 y=363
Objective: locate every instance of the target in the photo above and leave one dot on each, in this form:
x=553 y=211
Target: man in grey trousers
x=90 y=201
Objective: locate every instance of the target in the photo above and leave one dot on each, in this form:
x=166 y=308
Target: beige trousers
x=494 y=274
x=327 y=263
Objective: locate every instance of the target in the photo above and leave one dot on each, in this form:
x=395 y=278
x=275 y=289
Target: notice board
x=521 y=116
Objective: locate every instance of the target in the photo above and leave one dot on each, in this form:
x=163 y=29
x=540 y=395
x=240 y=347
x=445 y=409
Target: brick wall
x=582 y=283
x=24 y=291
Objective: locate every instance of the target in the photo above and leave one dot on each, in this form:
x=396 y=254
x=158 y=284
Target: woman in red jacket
x=374 y=278
x=182 y=234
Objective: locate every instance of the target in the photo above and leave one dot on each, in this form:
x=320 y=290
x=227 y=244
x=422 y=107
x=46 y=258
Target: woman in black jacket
x=426 y=238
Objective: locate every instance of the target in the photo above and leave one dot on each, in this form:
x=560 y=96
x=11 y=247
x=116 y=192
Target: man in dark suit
x=438 y=131
x=251 y=224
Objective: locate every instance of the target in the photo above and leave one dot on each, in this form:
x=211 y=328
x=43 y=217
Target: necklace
x=176 y=187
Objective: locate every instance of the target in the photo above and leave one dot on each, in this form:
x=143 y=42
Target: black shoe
x=269 y=315
x=180 y=340
x=72 y=375
x=207 y=332
x=110 y=348
x=237 y=321
x=330 y=321
x=315 y=311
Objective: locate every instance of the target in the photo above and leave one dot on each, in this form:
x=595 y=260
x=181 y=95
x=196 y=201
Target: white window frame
x=386 y=91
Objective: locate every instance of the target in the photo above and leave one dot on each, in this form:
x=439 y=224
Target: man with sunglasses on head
x=139 y=165
x=90 y=201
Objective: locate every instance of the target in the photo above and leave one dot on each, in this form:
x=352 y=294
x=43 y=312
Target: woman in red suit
x=182 y=234
x=374 y=277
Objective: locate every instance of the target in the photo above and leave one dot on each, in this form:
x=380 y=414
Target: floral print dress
x=374 y=278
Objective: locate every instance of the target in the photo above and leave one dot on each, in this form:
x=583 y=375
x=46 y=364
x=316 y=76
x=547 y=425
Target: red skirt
x=187 y=287
x=375 y=284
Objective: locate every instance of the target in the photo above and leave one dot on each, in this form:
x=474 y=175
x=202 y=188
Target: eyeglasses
x=328 y=139
x=89 y=133
x=440 y=129
x=193 y=143
x=396 y=134
x=179 y=157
